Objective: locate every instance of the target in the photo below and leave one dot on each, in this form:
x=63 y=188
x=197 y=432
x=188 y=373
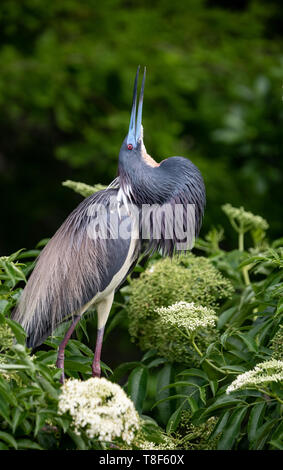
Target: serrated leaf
x=277 y=444
x=149 y=354
x=8 y=438
x=78 y=440
x=249 y=341
x=214 y=386
x=156 y=362
x=255 y=419
x=193 y=404
x=28 y=444
x=171 y=397
x=18 y=331
x=165 y=377
x=232 y=428
x=137 y=386
x=194 y=373
x=83 y=348
x=48 y=387
x=18 y=415
x=174 y=419
x=122 y=369
x=221 y=402
x=182 y=383
x=202 y=394
x=262 y=435
x=225 y=317
x=221 y=423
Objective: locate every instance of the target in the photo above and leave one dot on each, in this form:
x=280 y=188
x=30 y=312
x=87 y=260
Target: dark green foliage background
x=213 y=94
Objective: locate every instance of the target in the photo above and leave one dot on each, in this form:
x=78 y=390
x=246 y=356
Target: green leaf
x=279 y=309
x=137 y=386
x=8 y=395
x=46 y=385
x=171 y=397
x=29 y=254
x=278 y=433
x=3 y=305
x=13 y=272
x=255 y=419
x=118 y=318
x=156 y=362
x=262 y=434
x=226 y=316
x=105 y=367
x=17 y=416
x=77 y=363
x=28 y=444
x=181 y=384
x=83 y=348
x=42 y=242
x=234 y=368
x=8 y=438
x=39 y=421
x=78 y=440
x=13 y=366
x=231 y=430
x=18 y=331
x=214 y=386
x=221 y=423
x=194 y=373
x=277 y=444
x=63 y=422
x=15 y=255
x=165 y=407
x=149 y=354
x=221 y=402
x=82 y=325
x=249 y=341
x=174 y=419
x=202 y=394
x=123 y=369
x=5 y=411
x=193 y=404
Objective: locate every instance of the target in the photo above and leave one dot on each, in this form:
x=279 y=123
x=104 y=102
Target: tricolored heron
x=78 y=269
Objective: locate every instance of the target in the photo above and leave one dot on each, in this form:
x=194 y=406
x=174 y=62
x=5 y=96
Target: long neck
x=143 y=180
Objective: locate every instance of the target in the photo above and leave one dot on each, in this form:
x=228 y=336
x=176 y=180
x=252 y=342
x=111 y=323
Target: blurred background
x=213 y=94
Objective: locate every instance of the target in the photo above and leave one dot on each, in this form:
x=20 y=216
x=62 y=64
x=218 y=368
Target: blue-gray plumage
x=81 y=267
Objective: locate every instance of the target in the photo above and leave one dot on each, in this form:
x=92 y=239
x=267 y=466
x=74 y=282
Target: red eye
x=130 y=146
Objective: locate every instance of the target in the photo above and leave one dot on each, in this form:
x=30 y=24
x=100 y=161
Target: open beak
x=135 y=129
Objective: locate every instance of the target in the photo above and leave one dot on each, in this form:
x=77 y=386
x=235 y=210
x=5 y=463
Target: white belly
x=119 y=276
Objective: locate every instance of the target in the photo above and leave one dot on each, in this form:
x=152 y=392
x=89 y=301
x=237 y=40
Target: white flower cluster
x=166 y=444
x=247 y=218
x=187 y=315
x=265 y=372
x=101 y=408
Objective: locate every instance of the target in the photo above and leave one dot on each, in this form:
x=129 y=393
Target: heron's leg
x=96 y=370
x=103 y=310
x=63 y=344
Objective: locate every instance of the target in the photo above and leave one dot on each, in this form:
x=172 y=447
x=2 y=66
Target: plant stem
x=241 y=240
x=267 y=392
x=245 y=269
x=207 y=360
x=196 y=347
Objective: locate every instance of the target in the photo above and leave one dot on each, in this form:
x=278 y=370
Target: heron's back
x=78 y=266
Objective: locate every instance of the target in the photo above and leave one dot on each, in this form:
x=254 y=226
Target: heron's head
x=132 y=146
